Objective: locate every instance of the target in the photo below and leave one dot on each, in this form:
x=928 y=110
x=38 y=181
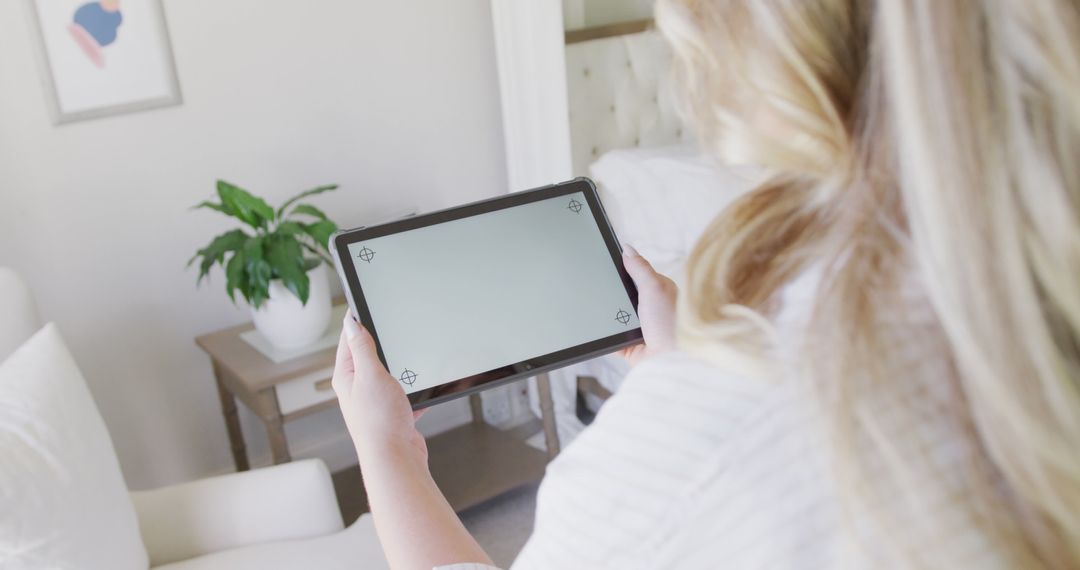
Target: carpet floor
x=502 y=525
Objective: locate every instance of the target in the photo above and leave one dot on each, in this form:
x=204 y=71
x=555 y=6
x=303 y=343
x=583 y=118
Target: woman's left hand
x=376 y=409
x=416 y=525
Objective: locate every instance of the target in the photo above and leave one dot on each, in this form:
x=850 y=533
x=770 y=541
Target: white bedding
x=659 y=200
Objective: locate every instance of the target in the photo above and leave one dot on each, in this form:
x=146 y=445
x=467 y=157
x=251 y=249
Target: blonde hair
x=926 y=138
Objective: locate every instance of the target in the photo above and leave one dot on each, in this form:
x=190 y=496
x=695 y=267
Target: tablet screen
x=462 y=297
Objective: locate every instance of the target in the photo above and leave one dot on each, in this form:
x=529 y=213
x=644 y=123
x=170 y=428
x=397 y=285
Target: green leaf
x=234 y=275
x=308 y=210
x=304 y=194
x=253 y=251
x=318 y=253
x=215 y=251
x=252 y=210
x=257 y=272
x=259 y=277
x=213 y=206
x=258 y=297
x=228 y=241
x=287 y=260
x=320 y=232
x=289 y=228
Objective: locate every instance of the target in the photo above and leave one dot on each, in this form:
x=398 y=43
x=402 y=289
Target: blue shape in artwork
x=99 y=22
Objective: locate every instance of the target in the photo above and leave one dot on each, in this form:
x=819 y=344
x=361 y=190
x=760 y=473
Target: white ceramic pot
x=287 y=323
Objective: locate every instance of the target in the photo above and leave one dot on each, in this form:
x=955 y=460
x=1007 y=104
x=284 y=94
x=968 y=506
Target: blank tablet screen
x=459 y=298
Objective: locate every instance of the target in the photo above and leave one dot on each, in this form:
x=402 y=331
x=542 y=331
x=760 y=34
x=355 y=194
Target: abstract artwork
x=95 y=26
x=104 y=57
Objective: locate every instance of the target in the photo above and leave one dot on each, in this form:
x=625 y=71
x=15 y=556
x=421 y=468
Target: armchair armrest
x=289 y=501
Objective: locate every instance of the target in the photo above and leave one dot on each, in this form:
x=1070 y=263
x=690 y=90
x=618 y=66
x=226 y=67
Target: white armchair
x=285 y=502
x=284 y=516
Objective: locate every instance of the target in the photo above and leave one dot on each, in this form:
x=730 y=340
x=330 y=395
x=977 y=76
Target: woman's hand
x=376 y=409
x=415 y=524
x=656 y=307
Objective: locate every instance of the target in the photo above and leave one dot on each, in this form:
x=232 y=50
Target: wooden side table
x=279 y=392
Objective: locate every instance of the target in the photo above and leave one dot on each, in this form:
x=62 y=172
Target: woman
x=878 y=354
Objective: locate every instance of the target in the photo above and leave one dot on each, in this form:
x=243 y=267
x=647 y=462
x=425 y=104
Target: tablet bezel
x=354 y=293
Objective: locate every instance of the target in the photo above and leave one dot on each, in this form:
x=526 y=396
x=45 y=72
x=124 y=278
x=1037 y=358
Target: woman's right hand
x=656 y=307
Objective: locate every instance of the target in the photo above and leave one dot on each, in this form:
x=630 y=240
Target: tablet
x=472 y=297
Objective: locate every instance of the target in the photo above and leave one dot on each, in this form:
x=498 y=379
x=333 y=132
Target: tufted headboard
x=619 y=95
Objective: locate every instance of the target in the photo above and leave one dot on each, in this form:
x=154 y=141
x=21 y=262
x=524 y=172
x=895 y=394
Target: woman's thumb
x=362 y=346
x=638 y=267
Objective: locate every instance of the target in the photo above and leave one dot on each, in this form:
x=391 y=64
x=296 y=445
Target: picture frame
x=100 y=58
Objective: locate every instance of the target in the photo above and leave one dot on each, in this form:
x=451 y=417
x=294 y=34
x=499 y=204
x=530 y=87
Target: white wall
x=396 y=101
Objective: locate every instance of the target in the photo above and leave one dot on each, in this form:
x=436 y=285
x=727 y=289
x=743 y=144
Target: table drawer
x=305 y=391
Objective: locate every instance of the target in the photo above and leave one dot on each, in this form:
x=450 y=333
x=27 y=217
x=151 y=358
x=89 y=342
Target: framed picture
x=104 y=57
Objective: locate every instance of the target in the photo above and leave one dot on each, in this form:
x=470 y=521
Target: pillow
x=63 y=498
x=661 y=199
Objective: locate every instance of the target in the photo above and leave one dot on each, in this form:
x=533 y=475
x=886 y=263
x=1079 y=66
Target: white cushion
x=355 y=548
x=62 y=495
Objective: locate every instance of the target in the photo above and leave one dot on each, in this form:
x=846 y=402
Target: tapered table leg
x=547 y=415
x=476 y=408
x=232 y=423
x=275 y=427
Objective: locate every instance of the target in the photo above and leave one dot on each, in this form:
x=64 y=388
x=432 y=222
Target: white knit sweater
x=688 y=466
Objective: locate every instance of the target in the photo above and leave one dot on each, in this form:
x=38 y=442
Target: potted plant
x=278 y=266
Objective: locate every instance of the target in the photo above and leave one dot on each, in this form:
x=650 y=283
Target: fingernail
x=351 y=330
x=629 y=250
